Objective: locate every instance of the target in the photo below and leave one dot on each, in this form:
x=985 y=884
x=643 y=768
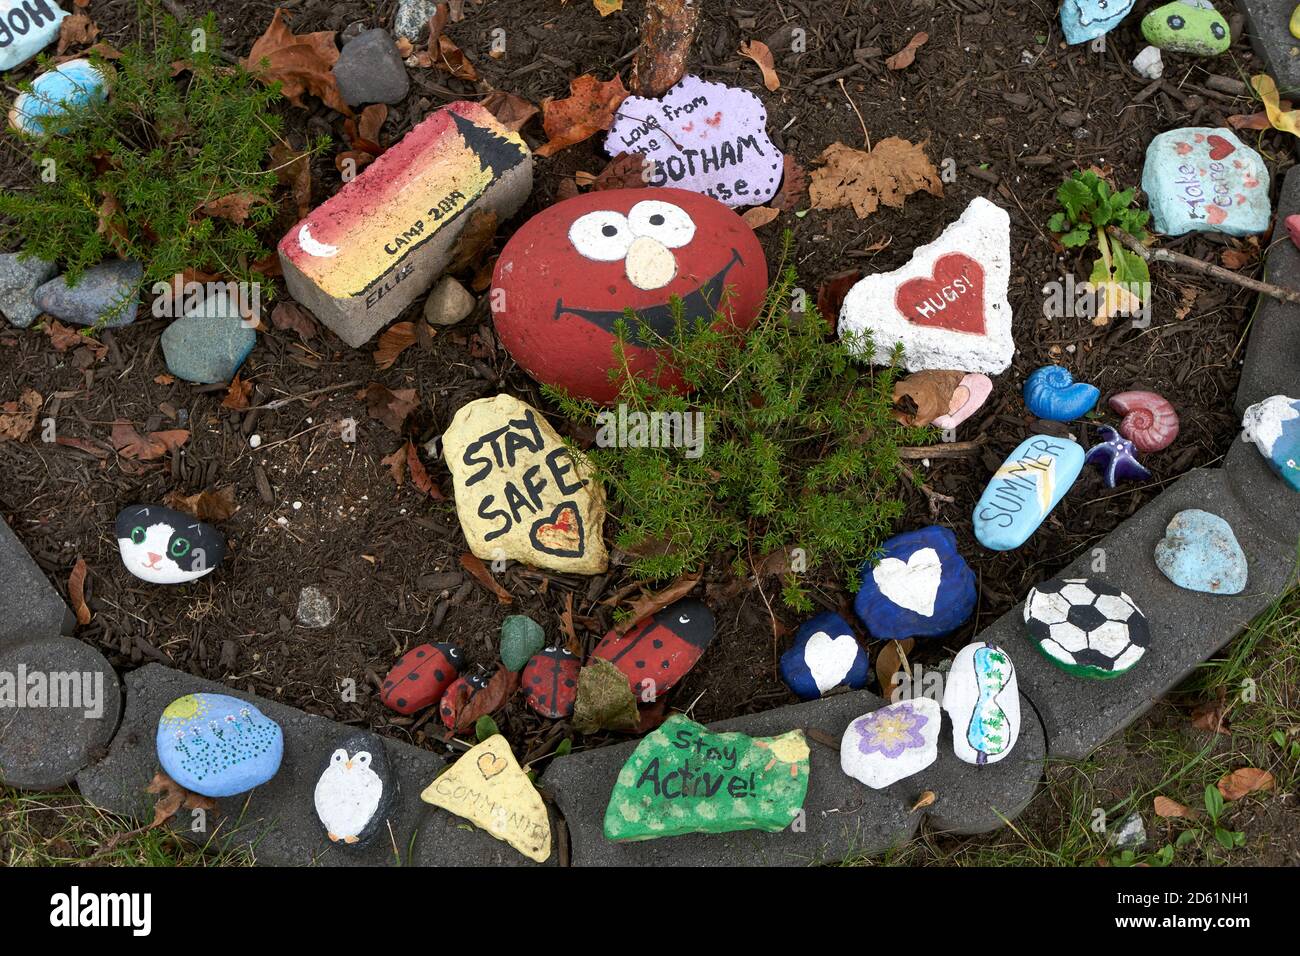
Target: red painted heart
x=1220 y=148
x=953 y=299
x=560 y=534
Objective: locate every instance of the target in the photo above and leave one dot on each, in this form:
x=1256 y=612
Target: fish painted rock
x=1087 y=627
x=217 y=745
x=1116 y=457
x=163 y=546
x=1199 y=552
x=892 y=743
x=568 y=275
x=355 y=790
x=1203 y=179
x=488 y=788
x=1084 y=20
x=920 y=587
x=660 y=650
x=825 y=655
x=1023 y=492
x=420 y=678
x=1272 y=427
x=684 y=778
x=1150 y=422
x=26 y=28
x=1187 y=27
x=1052 y=393
x=982 y=699
x=58 y=98
x=551 y=682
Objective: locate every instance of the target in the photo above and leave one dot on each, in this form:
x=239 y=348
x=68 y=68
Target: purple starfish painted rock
x=1116 y=456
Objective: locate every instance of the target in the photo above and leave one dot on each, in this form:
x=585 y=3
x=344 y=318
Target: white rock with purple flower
x=892 y=743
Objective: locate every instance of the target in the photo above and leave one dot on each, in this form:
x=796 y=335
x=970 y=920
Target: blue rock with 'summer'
x=1030 y=483
x=218 y=745
x=1202 y=179
x=921 y=587
x=1084 y=20
x=825 y=655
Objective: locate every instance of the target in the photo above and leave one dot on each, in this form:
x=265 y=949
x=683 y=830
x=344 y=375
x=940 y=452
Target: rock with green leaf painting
x=521 y=638
x=684 y=778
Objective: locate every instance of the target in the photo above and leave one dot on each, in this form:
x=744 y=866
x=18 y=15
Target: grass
x=1163 y=754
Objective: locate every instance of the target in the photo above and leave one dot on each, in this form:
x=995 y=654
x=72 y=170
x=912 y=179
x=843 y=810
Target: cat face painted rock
x=825 y=655
x=163 y=546
x=983 y=701
x=659 y=651
x=355 y=790
x=1273 y=426
x=920 y=587
x=1084 y=20
x=566 y=278
x=1203 y=179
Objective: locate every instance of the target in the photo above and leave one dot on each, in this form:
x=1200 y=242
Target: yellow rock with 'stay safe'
x=1295 y=22
x=488 y=788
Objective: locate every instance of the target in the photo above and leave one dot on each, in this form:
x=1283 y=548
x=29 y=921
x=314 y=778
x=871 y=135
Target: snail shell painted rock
x=1150 y=422
x=1053 y=394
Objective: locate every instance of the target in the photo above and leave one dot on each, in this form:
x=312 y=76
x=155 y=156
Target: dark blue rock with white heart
x=355 y=790
x=825 y=656
x=163 y=546
x=921 y=587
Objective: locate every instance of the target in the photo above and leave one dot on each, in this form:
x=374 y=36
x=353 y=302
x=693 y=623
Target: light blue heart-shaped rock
x=1201 y=179
x=1030 y=483
x=1084 y=20
x=26 y=28
x=1199 y=552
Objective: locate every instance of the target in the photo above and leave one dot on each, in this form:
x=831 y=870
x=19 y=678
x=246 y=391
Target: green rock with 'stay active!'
x=683 y=778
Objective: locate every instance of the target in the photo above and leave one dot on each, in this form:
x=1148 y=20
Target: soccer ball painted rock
x=1086 y=627
x=566 y=278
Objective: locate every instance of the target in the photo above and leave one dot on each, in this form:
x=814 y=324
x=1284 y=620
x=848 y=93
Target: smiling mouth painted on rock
x=700 y=304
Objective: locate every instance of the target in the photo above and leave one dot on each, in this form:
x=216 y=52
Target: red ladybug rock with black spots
x=453 y=700
x=421 y=677
x=568 y=275
x=551 y=682
x=661 y=649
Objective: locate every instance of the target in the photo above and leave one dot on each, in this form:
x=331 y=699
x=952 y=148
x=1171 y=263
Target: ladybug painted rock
x=453 y=700
x=421 y=677
x=551 y=682
x=660 y=650
x=567 y=276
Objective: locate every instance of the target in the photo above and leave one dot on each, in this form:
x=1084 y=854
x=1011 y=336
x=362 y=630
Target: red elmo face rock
x=567 y=276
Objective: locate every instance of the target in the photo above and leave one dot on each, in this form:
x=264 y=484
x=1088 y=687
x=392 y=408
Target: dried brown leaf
x=395 y=340
x=238 y=395
x=904 y=57
x=929 y=393
x=760 y=216
x=208 y=505
x=589 y=109
x=387 y=406
x=500 y=687
x=1245 y=781
x=77 y=29
x=513 y=112
x=18 y=419
x=130 y=444
x=476 y=567
x=794 y=185
x=77 y=592
x=1173 y=810
x=891 y=660
x=300 y=63
x=759 y=52
x=888 y=174
x=291 y=316
x=653 y=603
x=293 y=169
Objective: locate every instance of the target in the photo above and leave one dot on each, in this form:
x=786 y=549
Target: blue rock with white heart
x=825 y=656
x=1052 y=393
x=1023 y=492
x=1204 y=179
x=1084 y=20
x=26 y=28
x=982 y=699
x=920 y=587
x=1116 y=457
x=217 y=745
x=355 y=790
x=1199 y=552
x=1087 y=627
x=164 y=546
x=1273 y=426
x=56 y=98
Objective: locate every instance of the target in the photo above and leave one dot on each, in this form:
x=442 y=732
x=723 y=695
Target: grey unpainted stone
x=315 y=607
x=109 y=290
x=19 y=279
x=208 y=345
x=278 y=819
x=1268 y=26
x=844 y=818
x=43 y=747
x=370 y=70
x=412 y=17
x=448 y=303
x=1130 y=834
x=31 y=608
x=1272 y=365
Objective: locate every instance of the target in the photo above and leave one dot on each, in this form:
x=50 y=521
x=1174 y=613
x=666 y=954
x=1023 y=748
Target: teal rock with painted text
x=1030 y=483
x=1205 y=179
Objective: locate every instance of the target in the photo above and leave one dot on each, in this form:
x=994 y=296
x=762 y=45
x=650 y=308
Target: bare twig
x=949 y=449
x=1203 y=267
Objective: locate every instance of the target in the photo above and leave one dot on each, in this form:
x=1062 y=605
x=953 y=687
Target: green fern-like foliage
x=799 y=450
x=130 y=177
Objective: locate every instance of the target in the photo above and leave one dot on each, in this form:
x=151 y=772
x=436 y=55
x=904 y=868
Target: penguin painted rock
x=355 y=790
x=163 y=546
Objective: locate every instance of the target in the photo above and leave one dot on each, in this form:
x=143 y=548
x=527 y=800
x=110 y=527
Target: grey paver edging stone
x=30 y=608
x=1268 y=26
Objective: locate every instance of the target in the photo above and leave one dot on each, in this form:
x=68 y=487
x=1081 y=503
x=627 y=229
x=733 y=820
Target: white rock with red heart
x=1206 y=180
x=948 y=306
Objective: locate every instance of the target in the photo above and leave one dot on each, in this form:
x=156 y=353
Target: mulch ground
x=993 y=89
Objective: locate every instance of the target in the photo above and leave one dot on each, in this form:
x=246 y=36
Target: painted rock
x=520 y=494
x=1293 y=221
x=683 y=778
x=967 y=398
x=1150 y=422
x=566 y=278
x=488 y=788
x=920 y=587
x=825 y=655
x=26 y=28
x=892 y=743
x=704 y=137
x=163 y=546
x=208 y=344
x=1272 y=427
x=107 y=294
x=521 y=638
x=217 y=745
x=660 y=650
x=1206 y=180
x=49 y=106
x=1052 y=393
x=355 y=790
x=1084 y=20
x=1023 y=492
x=421 y=677
x=1187 y=27
x=453 y=698
x=551 y=682
x=1116 y=457
x=361 y=257
x=983 y=702
x=1199 y=552
x=1086 y=627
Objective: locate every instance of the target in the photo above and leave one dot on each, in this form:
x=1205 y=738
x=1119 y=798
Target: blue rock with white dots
x=217 y=745
x=825 y=655
x=920 y=587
